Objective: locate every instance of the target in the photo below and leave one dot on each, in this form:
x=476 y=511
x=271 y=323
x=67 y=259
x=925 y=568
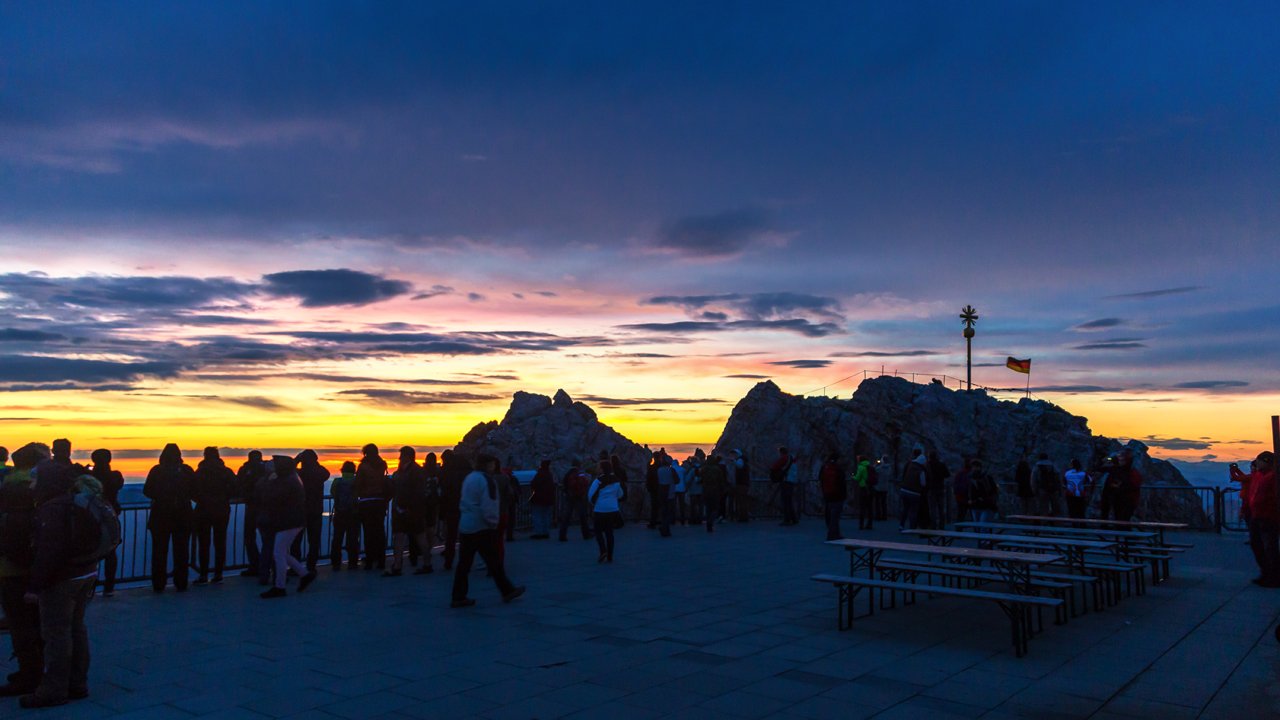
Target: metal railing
x=1201 y=507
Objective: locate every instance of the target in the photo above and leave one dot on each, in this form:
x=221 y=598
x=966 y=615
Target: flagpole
x=1028 y=381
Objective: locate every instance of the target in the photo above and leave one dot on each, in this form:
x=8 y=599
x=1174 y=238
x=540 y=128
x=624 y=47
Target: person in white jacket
x=478 y=532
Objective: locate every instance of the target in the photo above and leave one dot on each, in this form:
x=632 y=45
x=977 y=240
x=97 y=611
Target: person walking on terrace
x=911 y=490
x=253 y=471
x=478 y=533
x=285 y=502
x=1048 y=487
x=606 y=495
x=1078 y=487
x=715 y=485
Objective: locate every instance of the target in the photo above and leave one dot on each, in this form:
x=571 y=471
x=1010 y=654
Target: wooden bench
x=1015 y=607
x=979 y=575
x=1113 y=570
x=907 y=570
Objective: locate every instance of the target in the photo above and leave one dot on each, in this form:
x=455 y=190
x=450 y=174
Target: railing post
x=1219 y=511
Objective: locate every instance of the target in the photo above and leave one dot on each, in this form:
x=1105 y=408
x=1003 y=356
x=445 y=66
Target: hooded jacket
x=913 y=475
x=213 y=485
x=371 y=479
x=169 y=487
x=314 y=476
x=283 y=498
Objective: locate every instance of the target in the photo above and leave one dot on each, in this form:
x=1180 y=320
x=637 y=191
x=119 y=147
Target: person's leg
x=160 y=537
x=181 y=557
x=249 y=535
x=315 y=523
x=424 y=541
x=451 y=539
x=284 y=559
x=710 y=510
x=655 y=507
x=296 y=548
x=487 y=546
x=466 y=555
x=608 y=540
x=78 y=683
x=1271 y=552
x=370 y=524
x=24 y=633
x=337 y=538
x=584 y=515
x=601 y=541
x=267 y=557
x=399 y=541
x=203 y=530
x=57 y=608
x=110 y=564
x=1255 y=544
x=220 y=544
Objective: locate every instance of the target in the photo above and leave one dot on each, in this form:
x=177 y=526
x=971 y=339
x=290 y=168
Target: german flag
x=1016 y=365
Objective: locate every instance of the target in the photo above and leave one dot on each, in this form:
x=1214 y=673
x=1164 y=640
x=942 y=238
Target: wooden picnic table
x=1158 y=527
x=1122 y=536
x=1014 y=567
x=1072 y=549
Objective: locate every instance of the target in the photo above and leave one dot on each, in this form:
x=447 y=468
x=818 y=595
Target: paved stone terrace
x=700 y=626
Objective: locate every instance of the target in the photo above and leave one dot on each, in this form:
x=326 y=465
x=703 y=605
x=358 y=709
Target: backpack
x=102 y=534
x=578 y=484
x=344 y=495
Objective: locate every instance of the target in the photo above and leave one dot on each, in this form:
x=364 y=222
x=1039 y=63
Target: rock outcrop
x=888 y=416
x=538 y=428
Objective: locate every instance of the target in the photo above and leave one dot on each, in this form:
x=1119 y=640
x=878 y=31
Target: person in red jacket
x=1264 y=520
x=1126 y=486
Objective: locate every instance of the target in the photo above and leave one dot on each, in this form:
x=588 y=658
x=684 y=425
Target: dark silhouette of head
x=486 y=463
x=408 y=455
x=284 y=465
x=211 y=453
x=62 y=449
x=4 y=455
x=308 y=457
x=101 y=458
x=369 y=450
x=171 y=455
x=30 y=455
x=255 y=456
x=1075 y=464
x=348 y=468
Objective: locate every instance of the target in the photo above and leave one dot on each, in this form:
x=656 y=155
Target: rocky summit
x=887 y=417
x=538 y=428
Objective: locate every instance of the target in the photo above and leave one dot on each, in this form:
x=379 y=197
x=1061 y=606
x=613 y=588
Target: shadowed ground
x=700 y=626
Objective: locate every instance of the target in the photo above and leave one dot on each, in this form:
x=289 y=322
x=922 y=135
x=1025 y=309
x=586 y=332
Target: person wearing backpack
x=783 y=472
x=911 y=490
x=479 y=513
x=715 y=484
x=1048 y=487
x=667 y=480
x=345 y=521
x=542 y=501
x=169 y=487
x=212 y=487
x=576 y=484
x=984 y=494
x=17 y=531
x=605 y=496
x=112 y=482
x=864 y=479
x=834 y=494
x=64 y=570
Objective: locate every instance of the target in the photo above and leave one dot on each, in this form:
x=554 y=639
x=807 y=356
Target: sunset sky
x=323 y=224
